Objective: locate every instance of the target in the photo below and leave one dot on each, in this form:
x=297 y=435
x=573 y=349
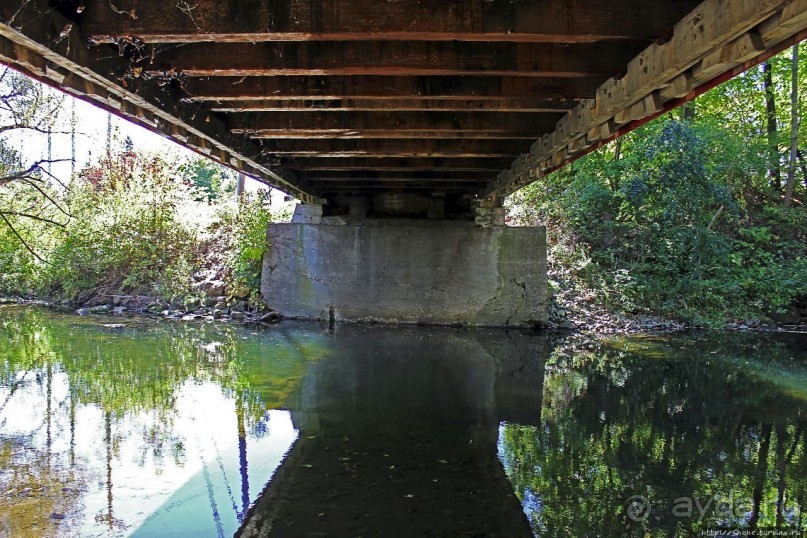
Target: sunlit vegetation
x=129 y=223
x=698 y=216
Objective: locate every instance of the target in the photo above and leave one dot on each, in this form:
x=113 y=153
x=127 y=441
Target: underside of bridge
x=340 y=98
x=393 y=108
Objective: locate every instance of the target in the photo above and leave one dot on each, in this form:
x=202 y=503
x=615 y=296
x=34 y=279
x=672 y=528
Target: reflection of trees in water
x=127 y=370
x=36 y=494
x=140 y=370
x=697 y=418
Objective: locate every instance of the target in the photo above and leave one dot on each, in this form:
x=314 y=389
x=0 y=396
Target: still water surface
x=127 y=427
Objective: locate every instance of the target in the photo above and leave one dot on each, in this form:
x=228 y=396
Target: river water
x=128 y=427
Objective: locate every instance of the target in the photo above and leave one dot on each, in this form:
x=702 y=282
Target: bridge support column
x=488 y=211
x=415 y=271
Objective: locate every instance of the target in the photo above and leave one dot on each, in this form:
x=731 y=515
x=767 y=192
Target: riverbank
x=219 y=309
x=584 y=315
x=565 y=316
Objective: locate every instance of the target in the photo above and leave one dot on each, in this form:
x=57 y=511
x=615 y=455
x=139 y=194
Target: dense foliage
x=136 y=226
x=131 y=223
x=238 y=239
x=132 y=229
x=686 y=216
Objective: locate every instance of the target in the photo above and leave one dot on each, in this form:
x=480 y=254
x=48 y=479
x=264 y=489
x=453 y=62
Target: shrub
x=130 y=231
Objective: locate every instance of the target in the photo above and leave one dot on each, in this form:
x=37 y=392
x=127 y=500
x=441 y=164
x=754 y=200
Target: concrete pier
x=434 y=272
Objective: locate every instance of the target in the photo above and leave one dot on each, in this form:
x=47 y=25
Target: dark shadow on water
x=398 y=432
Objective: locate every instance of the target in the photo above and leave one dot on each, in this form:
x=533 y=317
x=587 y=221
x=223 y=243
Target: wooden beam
x=381 y=87
x=46 y=45
x=387 y=134
x=387 y=58
x=395 y=105
x=325 y=176
x=709 y=41
x=328 y=188
x=560 y=21
x=310 y=165
x=395 y=148
x=258 y=122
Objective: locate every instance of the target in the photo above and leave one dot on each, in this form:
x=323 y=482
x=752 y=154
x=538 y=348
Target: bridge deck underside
x=464 y=98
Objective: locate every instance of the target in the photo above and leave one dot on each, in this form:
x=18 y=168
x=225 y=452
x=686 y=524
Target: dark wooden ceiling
x=350 y=97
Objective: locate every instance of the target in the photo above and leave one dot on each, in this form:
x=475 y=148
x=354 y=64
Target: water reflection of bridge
x=399 y=430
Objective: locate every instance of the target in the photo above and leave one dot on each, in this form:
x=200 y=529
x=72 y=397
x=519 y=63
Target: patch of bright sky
x=91 y=140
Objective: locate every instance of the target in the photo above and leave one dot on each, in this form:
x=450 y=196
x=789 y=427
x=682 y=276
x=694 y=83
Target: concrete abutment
x=407 y=271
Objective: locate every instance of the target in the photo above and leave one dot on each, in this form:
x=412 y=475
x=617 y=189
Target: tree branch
x=24 y=243
x=31 y=216
x=29 y=172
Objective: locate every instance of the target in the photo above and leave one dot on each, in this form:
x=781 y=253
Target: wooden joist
x=386 y=133
x=427 y=164
x=394 y=105
x=395 y=148
x=257 y=123
x=381 y=87
x=714 y=38
x=549 y=21
x=369 y=187
x=342 y=58
x=387 y=176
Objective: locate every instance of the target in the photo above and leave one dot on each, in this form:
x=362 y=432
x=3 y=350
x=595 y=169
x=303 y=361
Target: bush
x=656 y=227
x=239 y=239
x=129 y=231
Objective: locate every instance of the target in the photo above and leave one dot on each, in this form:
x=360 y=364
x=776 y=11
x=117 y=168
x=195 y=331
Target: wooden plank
x=310 y=165
x=34 y=27
x=561 y=21
x=327 y=188
x=713 y=23
x=717 y=32
x=470 y=176
x=403 y=154
x=388 y=58
x=386 y=134
x=395 y=148
x=381 y=87
x=787 y=22
x=396 y=105
x=723 y=58
x=254 y=123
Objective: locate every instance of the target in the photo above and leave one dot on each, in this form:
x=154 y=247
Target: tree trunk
x=688 y=112
x=239 y=186
x=794 y=126
x=782 y=469
x=761 y=475
x=50 y=151
x=108 y=133
x=242 y=457
x=73 y=139
x=770 y=114
x=613 y=182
